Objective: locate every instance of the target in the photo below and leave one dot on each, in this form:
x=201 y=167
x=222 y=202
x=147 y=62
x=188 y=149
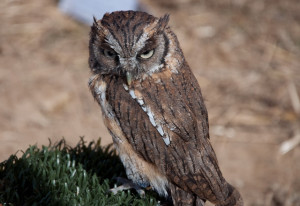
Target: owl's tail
x=233 y=199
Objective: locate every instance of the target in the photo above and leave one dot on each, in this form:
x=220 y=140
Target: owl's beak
x=128 y=78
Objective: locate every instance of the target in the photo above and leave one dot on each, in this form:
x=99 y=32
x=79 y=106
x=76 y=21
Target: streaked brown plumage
x=153 y=107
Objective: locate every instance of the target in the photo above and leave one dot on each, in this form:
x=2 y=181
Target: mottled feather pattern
x=154 y=109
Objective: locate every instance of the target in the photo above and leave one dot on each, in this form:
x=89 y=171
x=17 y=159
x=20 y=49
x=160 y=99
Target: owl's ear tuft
x=95 y=20
x=96 y=25
x=162 y=23
x=97 y=29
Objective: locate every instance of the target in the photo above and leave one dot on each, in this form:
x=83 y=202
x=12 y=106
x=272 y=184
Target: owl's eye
x=147 y=54
x=109 y=53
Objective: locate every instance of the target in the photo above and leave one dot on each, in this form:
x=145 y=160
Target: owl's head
x=128 y=44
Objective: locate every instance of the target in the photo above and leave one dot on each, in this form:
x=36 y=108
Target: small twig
x=290 y=144
x=294 y=96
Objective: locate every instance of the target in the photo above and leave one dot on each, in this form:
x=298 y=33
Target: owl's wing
x=165 y=120
x=174 y=105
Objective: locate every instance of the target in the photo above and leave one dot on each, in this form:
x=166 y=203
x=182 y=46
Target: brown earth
x=245 y=55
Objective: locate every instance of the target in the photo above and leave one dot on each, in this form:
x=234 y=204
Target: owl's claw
x=126 y=185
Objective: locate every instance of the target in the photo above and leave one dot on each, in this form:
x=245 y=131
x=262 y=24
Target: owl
x=153 y=108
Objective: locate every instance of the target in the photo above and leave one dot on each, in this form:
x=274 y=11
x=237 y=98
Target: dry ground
x=245 y=55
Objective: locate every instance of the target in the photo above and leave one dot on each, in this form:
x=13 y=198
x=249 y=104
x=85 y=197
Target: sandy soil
x=245 y=55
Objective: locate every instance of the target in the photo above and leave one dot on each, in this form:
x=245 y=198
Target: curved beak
x=129 y=66
x=129 y=78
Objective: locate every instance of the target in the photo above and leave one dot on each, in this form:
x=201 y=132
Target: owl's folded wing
x=174 y=105
x=166 y=123
x=166 y=106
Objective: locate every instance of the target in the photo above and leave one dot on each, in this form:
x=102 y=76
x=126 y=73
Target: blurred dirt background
x=245 y=55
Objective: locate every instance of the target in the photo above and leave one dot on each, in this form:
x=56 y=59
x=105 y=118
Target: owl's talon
x=126 y=185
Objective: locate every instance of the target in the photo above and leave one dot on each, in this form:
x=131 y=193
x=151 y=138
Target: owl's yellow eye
x=147 y=54
x=109 y=53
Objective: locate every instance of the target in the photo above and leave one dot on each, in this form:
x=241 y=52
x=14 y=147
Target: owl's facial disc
x=128 y=44
x=137 y=60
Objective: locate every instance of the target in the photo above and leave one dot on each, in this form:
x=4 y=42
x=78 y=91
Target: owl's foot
x=126 y=185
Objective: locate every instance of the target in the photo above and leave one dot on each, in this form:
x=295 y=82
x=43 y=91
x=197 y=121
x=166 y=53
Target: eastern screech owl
x=153 y=108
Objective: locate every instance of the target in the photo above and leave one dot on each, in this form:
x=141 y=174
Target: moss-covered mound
x=62 y=175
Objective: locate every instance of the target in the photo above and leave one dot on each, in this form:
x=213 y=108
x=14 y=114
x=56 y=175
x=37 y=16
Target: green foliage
x=61 y=175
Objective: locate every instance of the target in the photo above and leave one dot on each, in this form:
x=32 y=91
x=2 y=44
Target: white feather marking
x=113 y=43
x=160 y=130
x=154 y=69
x=140 y=101
x=151 y=117
x=142 y=41
x=125 y=87
x=167 y=140
x=150 y=114
x=101 y=91
x=132 y=94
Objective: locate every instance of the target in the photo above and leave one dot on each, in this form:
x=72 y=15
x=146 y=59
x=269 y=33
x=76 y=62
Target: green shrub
x=61 y=175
